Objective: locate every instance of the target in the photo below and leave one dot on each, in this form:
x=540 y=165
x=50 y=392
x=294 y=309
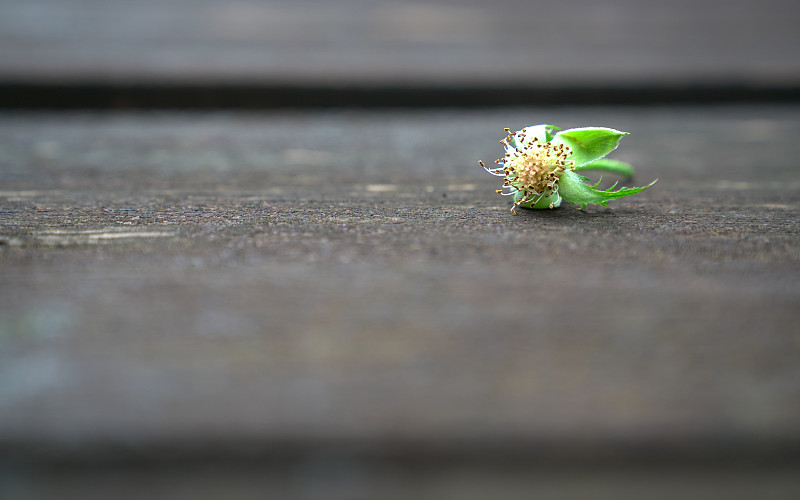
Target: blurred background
x=197 y=304
x=271 y=52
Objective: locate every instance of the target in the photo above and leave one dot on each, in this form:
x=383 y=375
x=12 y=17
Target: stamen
x=532 y=169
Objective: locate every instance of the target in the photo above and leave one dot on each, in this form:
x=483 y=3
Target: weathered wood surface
x=340 y=42
x=342 y=300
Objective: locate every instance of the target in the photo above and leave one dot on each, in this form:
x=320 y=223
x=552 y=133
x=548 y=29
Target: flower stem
x=607 y=165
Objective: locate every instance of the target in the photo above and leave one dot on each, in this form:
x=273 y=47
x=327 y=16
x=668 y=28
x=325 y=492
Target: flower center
x=535 y=168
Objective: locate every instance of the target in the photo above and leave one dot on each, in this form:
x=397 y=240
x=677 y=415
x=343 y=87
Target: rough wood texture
x=341 y=299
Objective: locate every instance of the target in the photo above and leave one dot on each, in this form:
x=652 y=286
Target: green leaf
x=572 y=188
x=550 y=132
x=542 y=132
x=589 y=143
x=608 y=165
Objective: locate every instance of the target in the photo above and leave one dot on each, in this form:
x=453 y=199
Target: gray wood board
x=229 y=282
x=325 y=42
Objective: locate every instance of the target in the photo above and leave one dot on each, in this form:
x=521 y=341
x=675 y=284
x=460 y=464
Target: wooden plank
x=343 y=42
x=247 y=289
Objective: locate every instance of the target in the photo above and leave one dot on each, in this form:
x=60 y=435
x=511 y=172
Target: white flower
x=539 y=166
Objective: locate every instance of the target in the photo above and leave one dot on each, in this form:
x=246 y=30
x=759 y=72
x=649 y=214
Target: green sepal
x=573 y=188
x=545 y=202
x=589 y=143
x=614 y=166
x=549 y=132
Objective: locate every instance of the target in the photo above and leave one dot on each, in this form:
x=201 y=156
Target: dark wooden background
x=246 y=251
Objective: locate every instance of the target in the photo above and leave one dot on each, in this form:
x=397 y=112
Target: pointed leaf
x=589 y=143
x=573 y=188
x=608 y=165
